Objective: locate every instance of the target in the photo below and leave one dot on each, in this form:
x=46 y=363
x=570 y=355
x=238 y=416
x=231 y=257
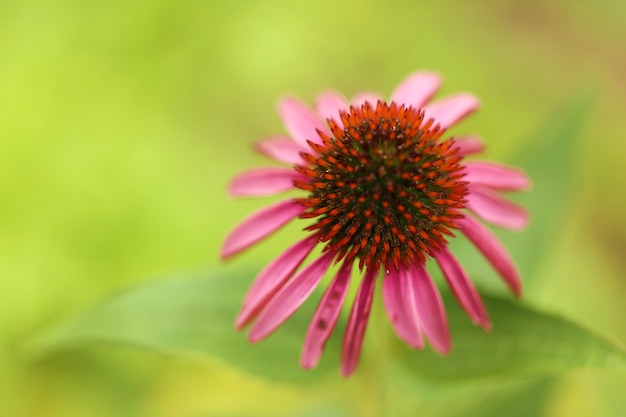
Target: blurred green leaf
x=531 y=399
x=511 y=398
x=550 y=160
x=193 y=316
x=524 y=342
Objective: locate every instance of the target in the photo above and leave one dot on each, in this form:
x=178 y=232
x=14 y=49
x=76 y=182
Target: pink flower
x=382 y=188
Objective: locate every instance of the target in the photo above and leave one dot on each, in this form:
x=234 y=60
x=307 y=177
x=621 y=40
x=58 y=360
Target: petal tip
x=255 y=337
x=472 y=101
x=308 y=364
x=259 y=146
x=286 y=100
x=417 y=346
x=346 y=372
x=443 y=349
x=485 y=324
x=227 y=252
x=241 y=321
x=426 y=74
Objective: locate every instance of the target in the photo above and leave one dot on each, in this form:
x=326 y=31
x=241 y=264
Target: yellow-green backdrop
x=122 y=121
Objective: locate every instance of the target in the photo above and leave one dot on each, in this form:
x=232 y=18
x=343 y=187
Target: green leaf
x=531 y=399
x=194 y=316
x=511 y=398
x=549 y=158
x=523 y=342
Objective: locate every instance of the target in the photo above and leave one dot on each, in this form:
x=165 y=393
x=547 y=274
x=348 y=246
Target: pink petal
x=499 y=211
x=498 y=177
x=366 y=96
x=300 y=121
x=463 y=288
x=399 y=300
x=451 y=109
x=281 y=149
x=431 y=311
x=469 y=145
x=357 y=323
x=325 y=317
x=493 y=250
x=289 y=298
x=329 y=104
x=259 y=225
x=262 y=182
x=271 y=279
x=416 y=89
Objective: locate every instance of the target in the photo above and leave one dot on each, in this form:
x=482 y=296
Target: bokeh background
x=122 y=121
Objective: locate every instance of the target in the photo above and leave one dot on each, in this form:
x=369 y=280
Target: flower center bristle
x=384 y=188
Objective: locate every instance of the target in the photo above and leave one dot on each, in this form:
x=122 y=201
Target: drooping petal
x=451 y=109
x=493 y=250
x=399 y=299
x=431 y=310
x=300 y=121
x=281 y=149
x=271 y=279
x=463 y=288
x=365 y=96
x=498 y=177
x=357 y=323
x=289 y=298
x=325 y=318
x=497 y=210
x=262 y=182
x=329 y=104
x=259 y=225
x=416 y=89
x=469 y=145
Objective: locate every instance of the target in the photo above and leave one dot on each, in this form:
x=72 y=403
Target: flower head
x=383 y=189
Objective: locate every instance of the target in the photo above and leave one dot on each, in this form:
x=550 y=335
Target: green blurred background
x=121 y=123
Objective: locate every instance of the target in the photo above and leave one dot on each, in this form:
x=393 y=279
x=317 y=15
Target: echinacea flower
x=383 y=189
